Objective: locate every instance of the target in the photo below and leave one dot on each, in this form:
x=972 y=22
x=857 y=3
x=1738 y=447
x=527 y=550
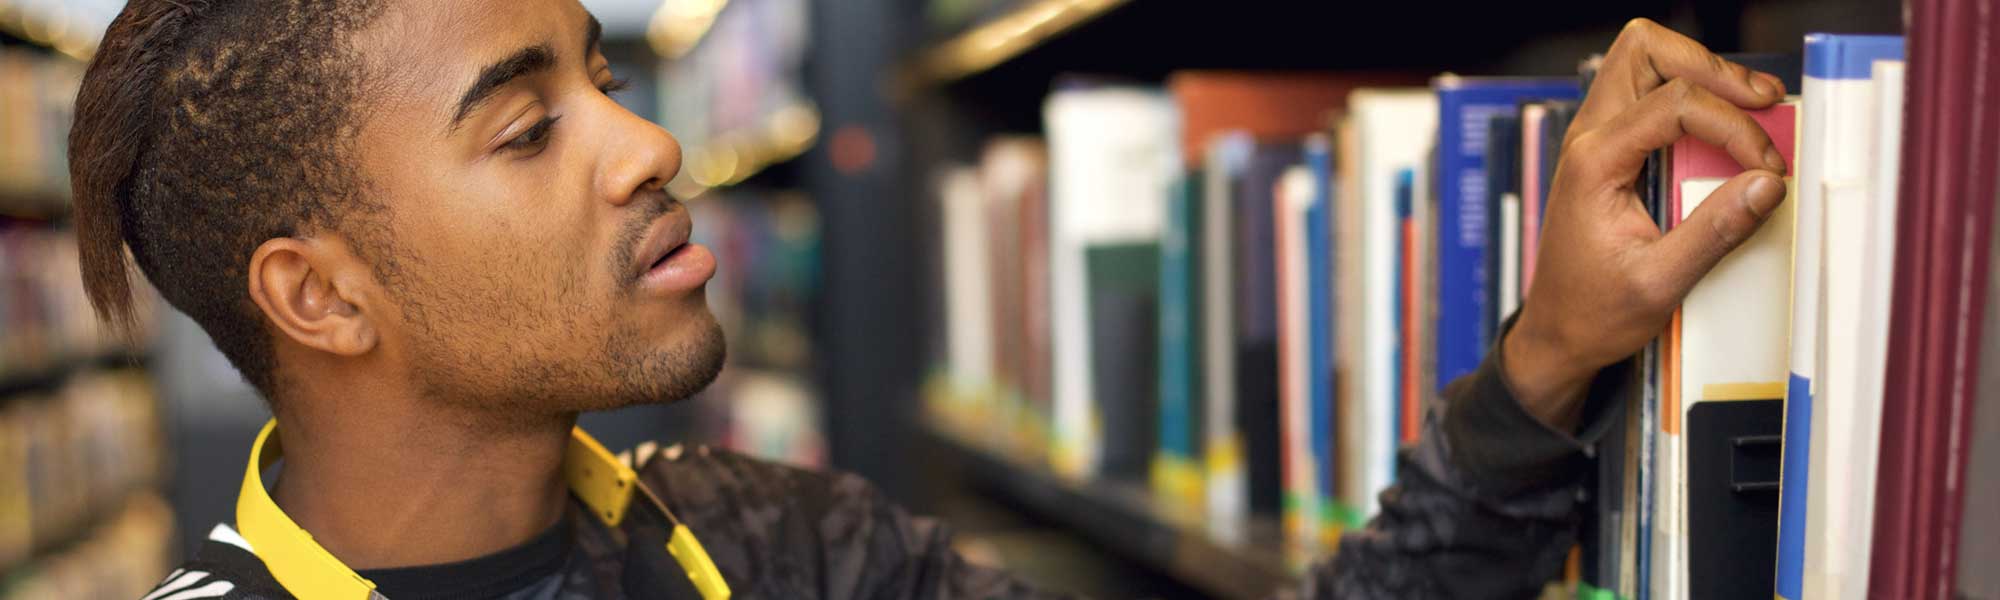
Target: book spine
x=1174 y=474
x=1223 y=453
x=1321 y=283
x=1291 y=201
x=1404 y=428
x=1808 y=229
x=1463 y=331
x=1884 y=208
x=1834 y=122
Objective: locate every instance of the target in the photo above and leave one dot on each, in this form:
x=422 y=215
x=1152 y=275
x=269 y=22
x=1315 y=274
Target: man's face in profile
x=537 y=264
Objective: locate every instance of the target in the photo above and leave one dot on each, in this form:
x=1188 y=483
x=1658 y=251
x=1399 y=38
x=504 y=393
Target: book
x=1465 y=104
x=1124 y=284
x=1831 y=213
x=1412 y=216
x=1503 y=201
x=1529 y=173
x=1322 y=279
x=1350 y=362
x=1872 y=327
x=1292 y=203
x=1257 y=300
x=1112 y=155
x=1267 y=106
x=1950 y=138
x=1013 y=174
x=1388 y=130
x=968 y=279
x=1543 y=125
x=1420 y=303
x=1177 y=474
x=1979 y=536
x=1726 y=371
x=1225 y=480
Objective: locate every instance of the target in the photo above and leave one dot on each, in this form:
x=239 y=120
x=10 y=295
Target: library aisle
x=1146 y=299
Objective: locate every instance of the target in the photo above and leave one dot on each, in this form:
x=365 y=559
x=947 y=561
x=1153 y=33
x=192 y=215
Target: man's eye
x=614 y=86
x=534 y=138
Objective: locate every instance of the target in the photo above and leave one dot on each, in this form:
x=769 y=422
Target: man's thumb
x=1723 y=221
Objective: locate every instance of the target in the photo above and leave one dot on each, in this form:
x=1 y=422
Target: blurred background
x=818 y=134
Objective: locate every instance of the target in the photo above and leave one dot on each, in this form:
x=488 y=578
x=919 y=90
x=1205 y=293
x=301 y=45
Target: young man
x=425 y=233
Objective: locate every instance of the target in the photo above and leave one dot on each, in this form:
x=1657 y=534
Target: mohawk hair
x=204 y=128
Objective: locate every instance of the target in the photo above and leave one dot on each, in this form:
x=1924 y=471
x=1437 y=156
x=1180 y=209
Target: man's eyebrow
x=524 y=62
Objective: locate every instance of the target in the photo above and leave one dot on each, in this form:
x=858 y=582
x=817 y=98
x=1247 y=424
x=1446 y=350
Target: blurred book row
x=77 y=464
x=764 y=403
x=121 y=558
x=46 y=322
x=1245 y=290
x=81 y=446
x=37 y=91
x=736 y=99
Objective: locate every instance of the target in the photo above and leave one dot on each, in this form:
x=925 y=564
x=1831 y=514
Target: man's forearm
x=1486 y=505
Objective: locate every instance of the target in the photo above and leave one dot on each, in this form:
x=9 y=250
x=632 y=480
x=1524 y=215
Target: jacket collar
x=605 y=484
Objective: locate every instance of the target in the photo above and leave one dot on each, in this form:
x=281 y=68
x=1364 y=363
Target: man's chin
x=664 y=375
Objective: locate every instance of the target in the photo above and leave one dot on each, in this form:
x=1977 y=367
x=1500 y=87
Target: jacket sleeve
x=1487 y=504
x=781 y=532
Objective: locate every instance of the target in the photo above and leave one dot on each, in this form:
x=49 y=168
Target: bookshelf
x=83 y=450
x=730 y=89
x=961 y=86
x=1124 y=517
x=1002 y=38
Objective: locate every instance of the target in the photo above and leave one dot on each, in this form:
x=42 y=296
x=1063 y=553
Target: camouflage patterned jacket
x=1486 y=506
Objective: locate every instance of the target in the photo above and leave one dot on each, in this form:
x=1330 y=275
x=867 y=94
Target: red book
x=1951 y=152
x=1411 y=315
x=1270 y=106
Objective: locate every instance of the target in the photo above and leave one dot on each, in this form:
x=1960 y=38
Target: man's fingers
x=1723 y=221
x=1616 y=151
x=1647 y=55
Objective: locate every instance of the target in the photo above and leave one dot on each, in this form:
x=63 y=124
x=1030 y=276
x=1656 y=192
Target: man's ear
x=312 y=290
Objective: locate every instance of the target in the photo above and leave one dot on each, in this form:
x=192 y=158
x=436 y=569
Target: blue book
x=1466 y=105
x=1834 y=126
x=1176 y=471
x=1320 y=281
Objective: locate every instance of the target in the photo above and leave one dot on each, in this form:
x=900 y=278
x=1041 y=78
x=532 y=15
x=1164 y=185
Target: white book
x=1731 y=341
x=1394 y=129
x=1113 y=154
x=1875 y=275
x=1228 y=483
x=968 y=303
x=1734 y=331
x=1837 y=117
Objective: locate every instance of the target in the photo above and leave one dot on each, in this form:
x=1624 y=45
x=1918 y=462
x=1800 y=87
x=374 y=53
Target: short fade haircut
x=203 y=129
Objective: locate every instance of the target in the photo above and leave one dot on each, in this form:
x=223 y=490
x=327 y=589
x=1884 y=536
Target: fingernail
x=1774 y=84
x=1763 y=194
x=1773 y=160
x=1761 y=85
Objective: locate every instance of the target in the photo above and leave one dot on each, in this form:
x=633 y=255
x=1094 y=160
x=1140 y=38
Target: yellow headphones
x=308 y=571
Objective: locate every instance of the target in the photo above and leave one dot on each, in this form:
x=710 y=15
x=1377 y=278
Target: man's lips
x=668 y=263
x=667 y=235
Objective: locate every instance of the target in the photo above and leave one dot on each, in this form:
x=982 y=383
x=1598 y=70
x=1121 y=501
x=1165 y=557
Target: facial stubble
x=514 y=380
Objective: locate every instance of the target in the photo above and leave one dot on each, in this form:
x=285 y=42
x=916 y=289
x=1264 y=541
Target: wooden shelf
x=15 y=382
x=1125 y=518
x=33 y=206
x=730 y=159
x=1005 y=37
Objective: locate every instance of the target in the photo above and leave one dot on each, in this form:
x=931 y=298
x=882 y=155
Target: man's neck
x=421 y=489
